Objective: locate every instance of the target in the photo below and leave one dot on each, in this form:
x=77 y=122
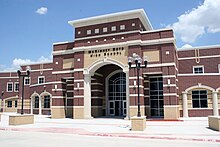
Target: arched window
x=46 y=101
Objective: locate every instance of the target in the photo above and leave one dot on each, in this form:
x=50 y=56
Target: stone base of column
x=138 y=123
x=57 y=112
x=171 y=112
x=21 y=119
x=214 y=122
x=78 y=112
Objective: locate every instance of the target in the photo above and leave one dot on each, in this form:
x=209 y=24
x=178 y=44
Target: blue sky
x=28 y=28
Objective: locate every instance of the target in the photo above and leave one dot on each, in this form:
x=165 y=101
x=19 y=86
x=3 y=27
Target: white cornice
x=138 y=13
x=203 y=74
x=199 y=47
x=200 y=57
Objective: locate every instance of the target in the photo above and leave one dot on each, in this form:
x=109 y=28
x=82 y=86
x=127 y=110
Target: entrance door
x=117 y=95
x=156 y=97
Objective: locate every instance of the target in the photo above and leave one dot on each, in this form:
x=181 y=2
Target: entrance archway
x=95 y=100
x=116 y=94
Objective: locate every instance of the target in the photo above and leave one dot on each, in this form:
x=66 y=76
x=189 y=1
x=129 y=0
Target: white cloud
x=17 y=62
x=42 y=11
x=186 y=46
x=195 y=23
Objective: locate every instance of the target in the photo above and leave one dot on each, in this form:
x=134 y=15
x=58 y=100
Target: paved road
x=39 y=139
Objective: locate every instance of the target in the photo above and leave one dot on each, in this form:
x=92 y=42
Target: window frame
x=218 y=68
x=105 y=29
x=16 y=90
x=200 y=98
x=97 y=31
x=47 y=103
x=122 y=27
x=8 y=104
x=200 y=66
x=38 y=81
x=89 y=32
x=11 y=86
x=25 y=78
x=113 y=28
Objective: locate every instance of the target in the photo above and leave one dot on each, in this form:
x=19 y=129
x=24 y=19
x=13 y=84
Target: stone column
x=40 y=105
x=31 y=106
x=87 y=96
x=185 y=104
x=127 y=95
x=215 y=103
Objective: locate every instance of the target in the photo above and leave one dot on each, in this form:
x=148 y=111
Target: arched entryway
x=105 y=90
x=116 y=94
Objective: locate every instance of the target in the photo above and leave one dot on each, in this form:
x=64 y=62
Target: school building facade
x=90 y=77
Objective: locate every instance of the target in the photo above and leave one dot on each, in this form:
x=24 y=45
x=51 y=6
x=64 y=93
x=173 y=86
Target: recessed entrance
x=117 y=95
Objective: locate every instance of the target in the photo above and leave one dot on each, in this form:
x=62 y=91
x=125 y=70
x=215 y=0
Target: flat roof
x=198 y=47
x=138 y=13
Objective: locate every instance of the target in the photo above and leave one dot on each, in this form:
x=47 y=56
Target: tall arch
x=199 y=86
x=33 y=96
x=88 y=72
x=46 y=102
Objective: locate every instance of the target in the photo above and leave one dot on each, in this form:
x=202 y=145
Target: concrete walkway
x=186 y=130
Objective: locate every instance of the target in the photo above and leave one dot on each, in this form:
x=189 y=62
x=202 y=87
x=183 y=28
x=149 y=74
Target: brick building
x=90 y=77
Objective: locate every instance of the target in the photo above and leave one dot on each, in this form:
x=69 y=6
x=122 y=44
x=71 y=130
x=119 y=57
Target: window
x=96 y=31
x=199 y=99
x=9 y=87
x=9 y=105
x=105 y=29
x=40 y=80
x=89 y=32
x=16 y=104
x=27 y=81
x=122 y=27
x=47 y=101
x=113 y=28
x=219 y=68
x=16 y=87
x=198 y=69
x=36 y=102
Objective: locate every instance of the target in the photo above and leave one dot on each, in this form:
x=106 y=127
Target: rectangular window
x=96 y=31
x=9 y=105
x=198 y=69
x=16 y=86
x=47 y=101
x=16 y=104
x=113 y=28
x=199 y=99
x=219 y=68
x=89 y=32
x=105 y=29
x=122 y=27
x=27 y=81
x=41 y=80
x=9 y=87
x=36 y=102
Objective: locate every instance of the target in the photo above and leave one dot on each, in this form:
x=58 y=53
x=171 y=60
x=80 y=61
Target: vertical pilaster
x=40 y=105
x=127 y=95
x=87 y=96
x=185 y=104
x=215 y=103
x=31 y=106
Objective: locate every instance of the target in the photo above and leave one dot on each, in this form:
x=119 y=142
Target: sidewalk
x=189 y=129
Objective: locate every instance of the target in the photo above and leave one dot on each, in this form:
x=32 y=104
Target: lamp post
x=23 y=75
x=137 y=60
